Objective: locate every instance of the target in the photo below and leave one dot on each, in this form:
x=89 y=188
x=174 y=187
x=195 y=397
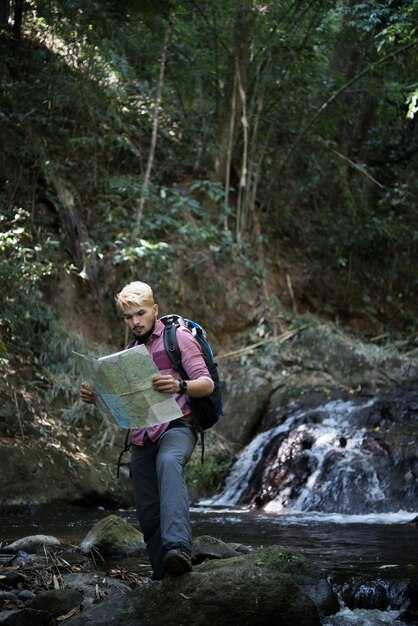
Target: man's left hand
x=165 y=384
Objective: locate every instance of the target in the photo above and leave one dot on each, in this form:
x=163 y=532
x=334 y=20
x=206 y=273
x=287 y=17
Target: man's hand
x=165 y=384
x=197 y=388
x=86 y=395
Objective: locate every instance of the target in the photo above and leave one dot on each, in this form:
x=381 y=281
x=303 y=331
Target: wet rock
x=12 y=579
x=33 y=543
x=207 y=547
x=255 y=589
x=7 y=595
x=57 y=601
x=26 y=617
x=308 y=576
x=95 y=587
x=26 y=594
x=412 y=591
x=113 y=536
x=300 y=463
x=241 y=548
x=120 y=611
x=252 y=600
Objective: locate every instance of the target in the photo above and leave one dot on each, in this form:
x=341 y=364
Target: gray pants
x=161 y=497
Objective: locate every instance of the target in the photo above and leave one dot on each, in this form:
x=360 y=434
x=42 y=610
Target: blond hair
x=135 y=293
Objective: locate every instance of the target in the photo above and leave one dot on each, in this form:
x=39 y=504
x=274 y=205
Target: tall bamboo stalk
x=155 y=121
x=244 y=164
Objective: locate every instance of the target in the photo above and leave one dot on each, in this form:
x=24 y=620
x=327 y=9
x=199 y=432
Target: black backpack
x=206 y=411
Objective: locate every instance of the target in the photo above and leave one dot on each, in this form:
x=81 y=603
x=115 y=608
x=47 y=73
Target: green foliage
x=412 y=102
x=24 y=265
x=206 y=479
x=62 y=392
x=78 y=96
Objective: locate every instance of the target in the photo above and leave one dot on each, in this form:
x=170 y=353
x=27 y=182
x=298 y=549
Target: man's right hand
x=86 y=395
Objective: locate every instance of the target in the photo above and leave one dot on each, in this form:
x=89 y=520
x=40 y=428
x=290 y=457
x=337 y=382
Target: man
x=160 y=453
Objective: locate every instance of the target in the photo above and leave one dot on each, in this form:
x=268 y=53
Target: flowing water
x=348 y=544
x=342 y=456
x=348 y=547
x=323 y=483
x=327 y=482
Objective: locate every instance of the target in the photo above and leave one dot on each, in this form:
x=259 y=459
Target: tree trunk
x=4 y=14
x=151 y=154
x=231 y=108
x=17 y=23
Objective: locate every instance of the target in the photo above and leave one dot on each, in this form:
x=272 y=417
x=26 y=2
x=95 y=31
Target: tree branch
x=155 y=120
x=336 y=94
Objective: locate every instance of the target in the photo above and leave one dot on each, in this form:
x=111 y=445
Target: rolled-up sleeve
x=191 y=355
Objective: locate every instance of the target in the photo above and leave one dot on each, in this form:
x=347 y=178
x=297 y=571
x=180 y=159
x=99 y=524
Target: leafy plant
x=24 y=265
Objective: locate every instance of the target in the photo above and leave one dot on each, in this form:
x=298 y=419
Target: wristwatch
x=182 y=386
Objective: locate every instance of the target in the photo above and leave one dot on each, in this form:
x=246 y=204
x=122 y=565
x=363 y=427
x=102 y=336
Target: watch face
x=183 y=386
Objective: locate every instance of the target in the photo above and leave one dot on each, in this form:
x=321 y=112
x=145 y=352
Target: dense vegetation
x=245 y=131
x=254 y=159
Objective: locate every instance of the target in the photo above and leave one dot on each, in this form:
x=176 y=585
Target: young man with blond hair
x=160 y=453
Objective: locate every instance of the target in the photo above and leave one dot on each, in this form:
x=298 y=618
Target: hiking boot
x=178 y=561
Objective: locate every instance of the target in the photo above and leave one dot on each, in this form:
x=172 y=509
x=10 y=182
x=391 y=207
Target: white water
x=301 y=517
x=364 y=617
x=334 y=425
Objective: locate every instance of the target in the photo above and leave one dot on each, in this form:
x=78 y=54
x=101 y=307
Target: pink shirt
x=193 y=363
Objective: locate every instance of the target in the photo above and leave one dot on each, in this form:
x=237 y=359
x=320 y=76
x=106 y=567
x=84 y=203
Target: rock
x=207 y=547
x=412 y=591
x=48 y=474
x=25 y=617
x=309 y=576
x=256 y=589
x=7 y=595
x=95 y=587
x=241 y=548
x=246 y=395
x=12 y=579
x=120 y=611
x=232 y=595
x=203 y=599
x=33 y=543
x=26 y=594
x=57 y=601
x=113 y=536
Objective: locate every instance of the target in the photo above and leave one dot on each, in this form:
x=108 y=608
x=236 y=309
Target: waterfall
x=331 y=459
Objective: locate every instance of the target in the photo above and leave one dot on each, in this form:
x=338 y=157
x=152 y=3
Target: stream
x=367 y=550
x=335 y=482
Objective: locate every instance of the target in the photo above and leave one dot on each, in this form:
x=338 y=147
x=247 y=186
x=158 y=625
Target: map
x=122 y=385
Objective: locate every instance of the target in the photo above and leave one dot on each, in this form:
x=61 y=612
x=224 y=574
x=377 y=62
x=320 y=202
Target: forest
x=253 y=160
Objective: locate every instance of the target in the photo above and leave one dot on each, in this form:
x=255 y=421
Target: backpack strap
x=171 y=344
x=172 y=348
x=202 y=443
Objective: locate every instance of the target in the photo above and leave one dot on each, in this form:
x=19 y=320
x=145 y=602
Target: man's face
x=141 y=319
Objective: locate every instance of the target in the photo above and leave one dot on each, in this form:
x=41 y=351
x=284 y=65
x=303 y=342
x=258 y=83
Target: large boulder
x=246 y=395
x=345 y=359
x=259 y=588
x=278 y=559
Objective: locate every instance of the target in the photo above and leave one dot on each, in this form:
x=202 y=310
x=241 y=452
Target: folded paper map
x=122 y=385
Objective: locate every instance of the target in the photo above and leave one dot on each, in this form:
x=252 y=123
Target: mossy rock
x=112 y=536
x=281 y=560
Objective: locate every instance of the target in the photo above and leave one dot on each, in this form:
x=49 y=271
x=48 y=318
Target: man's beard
x=143 y=338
